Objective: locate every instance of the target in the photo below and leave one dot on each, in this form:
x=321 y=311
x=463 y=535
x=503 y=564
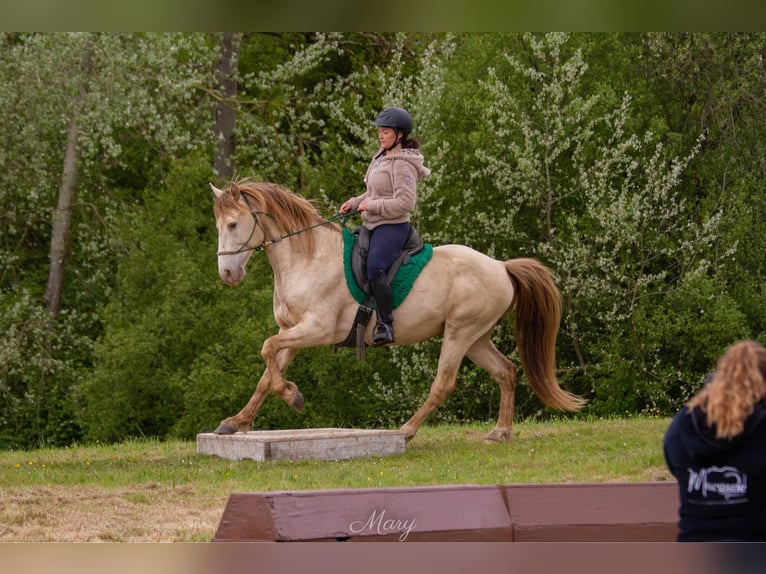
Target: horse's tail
x=537 y=306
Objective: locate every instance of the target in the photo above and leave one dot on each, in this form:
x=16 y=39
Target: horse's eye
x=232 y=225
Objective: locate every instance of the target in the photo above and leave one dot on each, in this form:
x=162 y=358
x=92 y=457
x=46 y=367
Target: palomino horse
x=460 y=295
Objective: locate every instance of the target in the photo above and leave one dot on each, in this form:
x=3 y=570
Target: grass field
x=151 y=491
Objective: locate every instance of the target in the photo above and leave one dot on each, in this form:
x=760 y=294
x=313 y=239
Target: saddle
x=412 y=246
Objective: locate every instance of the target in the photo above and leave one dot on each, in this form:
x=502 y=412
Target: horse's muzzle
x=232 y=276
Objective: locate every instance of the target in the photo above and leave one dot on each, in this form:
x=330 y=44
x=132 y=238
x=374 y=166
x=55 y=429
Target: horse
x=460 y=295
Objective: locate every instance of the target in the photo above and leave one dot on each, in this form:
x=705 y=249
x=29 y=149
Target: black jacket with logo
x=722 y=482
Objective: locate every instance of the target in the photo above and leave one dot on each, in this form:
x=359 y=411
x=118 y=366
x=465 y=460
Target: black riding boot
x=384 y=326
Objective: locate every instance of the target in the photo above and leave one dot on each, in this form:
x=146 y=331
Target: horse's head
x=239 y=232
x=256 y=215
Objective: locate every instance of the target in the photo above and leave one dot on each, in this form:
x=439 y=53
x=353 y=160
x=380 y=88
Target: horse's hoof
x=298 y=401
x=408 y=434
x=499 y=435
x=225 y=428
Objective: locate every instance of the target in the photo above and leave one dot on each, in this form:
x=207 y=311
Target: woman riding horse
x=391 y=180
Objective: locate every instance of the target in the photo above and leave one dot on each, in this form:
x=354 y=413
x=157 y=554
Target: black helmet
x=396 y=118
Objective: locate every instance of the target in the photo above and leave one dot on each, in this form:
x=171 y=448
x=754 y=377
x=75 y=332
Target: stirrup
x=383 y=335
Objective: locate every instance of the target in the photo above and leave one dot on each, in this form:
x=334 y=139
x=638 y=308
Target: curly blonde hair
x=736 y=387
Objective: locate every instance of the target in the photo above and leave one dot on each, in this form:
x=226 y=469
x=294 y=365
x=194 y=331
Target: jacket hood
x=412 y=156
x=701 y=439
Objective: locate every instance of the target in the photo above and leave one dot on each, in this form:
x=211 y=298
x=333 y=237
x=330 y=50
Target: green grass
x=554 y=452
x=135 y=477
x=559 y=451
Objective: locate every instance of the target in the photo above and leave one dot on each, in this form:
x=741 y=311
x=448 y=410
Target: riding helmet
x=395 y=118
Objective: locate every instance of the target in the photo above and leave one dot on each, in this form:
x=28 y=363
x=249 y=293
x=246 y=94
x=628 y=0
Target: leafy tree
x=557 y=173
x=715 y=84
x=159 y=319
x=615 y=224
x=75 y=109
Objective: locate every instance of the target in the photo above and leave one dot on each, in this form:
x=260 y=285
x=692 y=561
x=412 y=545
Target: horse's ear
x=218 y=192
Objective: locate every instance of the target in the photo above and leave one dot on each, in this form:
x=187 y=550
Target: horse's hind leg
x=243 y=420
x=485 y=355
x=449 y=362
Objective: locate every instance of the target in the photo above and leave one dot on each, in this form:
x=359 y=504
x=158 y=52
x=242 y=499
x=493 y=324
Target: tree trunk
x=62 y=217
x=225 y=113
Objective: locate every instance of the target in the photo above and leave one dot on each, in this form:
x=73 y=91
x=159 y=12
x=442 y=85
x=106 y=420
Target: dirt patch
x=658 y=473
x=140 y=513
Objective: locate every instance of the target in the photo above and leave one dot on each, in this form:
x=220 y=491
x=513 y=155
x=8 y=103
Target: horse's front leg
x=243 y=420
x=286 y=390
x=310 y=332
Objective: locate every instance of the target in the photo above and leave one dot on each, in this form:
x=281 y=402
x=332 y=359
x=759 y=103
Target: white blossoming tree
x=561 y=175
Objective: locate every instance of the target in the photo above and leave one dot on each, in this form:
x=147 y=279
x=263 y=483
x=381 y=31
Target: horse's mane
x=288 y=211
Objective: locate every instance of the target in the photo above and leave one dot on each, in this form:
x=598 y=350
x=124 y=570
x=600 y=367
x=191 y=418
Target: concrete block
x=300 y=444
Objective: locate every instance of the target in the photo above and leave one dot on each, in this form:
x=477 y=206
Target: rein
x=265 y=244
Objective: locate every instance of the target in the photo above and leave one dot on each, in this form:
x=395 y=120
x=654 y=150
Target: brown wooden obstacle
x=628 y=512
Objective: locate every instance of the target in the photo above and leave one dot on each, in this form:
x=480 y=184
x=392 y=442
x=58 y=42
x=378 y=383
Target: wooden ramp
x=324 y=444
x=627 y=512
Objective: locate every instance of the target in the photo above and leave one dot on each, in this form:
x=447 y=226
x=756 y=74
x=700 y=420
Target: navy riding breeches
x=386 y=241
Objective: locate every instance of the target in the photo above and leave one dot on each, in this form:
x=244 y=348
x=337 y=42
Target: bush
x=41 y=365
x=676 y=343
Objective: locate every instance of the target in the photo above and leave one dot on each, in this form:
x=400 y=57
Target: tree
x=557 y=173
x=111 y=93
x=62 y=216
x=225 y=107
x=715 y=83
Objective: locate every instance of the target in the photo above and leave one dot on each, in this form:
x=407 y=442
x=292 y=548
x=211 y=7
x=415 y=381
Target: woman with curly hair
x=715 y=448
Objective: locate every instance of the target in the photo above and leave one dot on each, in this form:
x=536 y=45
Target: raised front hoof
x=225 y=428
x=298 y=401
x=499 y=435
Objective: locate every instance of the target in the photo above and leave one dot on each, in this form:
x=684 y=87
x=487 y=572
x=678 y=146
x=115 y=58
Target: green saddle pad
x=405 y=277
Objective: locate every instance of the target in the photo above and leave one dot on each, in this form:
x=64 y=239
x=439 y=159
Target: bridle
x=264 y=244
